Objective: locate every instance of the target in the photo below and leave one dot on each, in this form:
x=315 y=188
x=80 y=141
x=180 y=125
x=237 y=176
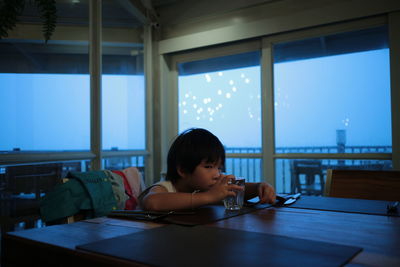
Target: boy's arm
x=264 y=191
x=158 y=199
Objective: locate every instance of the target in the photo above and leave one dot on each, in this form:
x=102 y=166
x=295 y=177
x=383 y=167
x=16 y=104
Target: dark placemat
x=209 y=214
x=174 y=245
x=201 y=215
x=375 y=207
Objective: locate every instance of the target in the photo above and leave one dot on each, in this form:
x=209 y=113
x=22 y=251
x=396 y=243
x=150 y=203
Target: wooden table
x=379 y=236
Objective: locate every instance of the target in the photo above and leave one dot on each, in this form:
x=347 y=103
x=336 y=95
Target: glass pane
x=123 y=83
x=309 y=175
x=123 y=112
x=332 y=94
x=223 y=95
x=44 y=111
x=44 y=93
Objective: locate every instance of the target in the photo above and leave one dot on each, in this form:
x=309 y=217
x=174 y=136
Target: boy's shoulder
x=167 y=185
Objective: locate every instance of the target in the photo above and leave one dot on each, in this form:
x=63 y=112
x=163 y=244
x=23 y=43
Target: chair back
x=304 y=174
x=364 y=184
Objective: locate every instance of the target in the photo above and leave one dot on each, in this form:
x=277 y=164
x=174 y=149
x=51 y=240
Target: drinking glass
x=235 y=202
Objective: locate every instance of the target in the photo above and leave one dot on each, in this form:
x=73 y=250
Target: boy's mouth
x=211 y=185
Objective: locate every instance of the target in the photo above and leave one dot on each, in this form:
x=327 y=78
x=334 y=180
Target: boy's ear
x=181 y=172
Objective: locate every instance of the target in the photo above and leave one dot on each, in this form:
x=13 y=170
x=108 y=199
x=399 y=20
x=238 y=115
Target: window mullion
x=267 y=96
x=95 y=62
x=394 y=44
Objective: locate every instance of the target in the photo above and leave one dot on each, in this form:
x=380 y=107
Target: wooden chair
x=304 y=174
x=20 y=191
x=377 y=185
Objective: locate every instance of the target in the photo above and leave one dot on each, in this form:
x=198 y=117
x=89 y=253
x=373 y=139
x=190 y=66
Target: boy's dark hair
x=190 y=148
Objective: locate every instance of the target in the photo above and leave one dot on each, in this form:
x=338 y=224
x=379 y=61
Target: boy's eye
x=208 y=166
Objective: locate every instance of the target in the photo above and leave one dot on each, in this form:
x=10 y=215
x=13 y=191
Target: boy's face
x=204 y=176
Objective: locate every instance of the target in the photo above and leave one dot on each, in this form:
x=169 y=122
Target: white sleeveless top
x=166 y=184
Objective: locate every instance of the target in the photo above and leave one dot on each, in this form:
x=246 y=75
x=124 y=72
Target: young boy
x=194 y=178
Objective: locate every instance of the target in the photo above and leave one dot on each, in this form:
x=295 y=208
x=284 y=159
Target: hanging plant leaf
x=48 y=13
x=9 y=10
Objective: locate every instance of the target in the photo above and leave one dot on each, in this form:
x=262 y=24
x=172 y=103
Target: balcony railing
x=335 y=149
x=247 y=162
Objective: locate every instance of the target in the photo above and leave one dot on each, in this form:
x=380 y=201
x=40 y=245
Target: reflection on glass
x=223 y=99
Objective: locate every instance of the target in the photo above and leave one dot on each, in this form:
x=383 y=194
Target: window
x=223 y=95
x=338 y=94
x=44 y=105
x=332 y=95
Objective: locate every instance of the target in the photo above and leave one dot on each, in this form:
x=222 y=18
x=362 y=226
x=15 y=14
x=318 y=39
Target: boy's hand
x=266 y=193
x=221 y=189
